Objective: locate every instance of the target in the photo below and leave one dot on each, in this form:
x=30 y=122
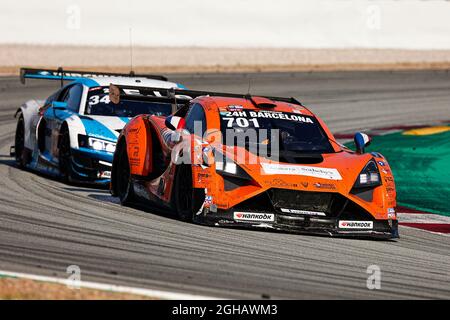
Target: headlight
x=101 y=145
x=369 y=176
x=227 y=167
x=96 y=144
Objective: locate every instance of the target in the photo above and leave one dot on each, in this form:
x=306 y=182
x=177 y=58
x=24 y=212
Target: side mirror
x=57 y=105
x=174 y=122
x=361 y=140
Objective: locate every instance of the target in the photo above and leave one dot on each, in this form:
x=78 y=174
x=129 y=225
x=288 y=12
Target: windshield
x=296 y=133
x=98 y=104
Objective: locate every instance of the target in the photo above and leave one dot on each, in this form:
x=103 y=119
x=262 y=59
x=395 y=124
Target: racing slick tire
x=188 y=200
x=65 y=156
x=124 y=186
x=19 y=143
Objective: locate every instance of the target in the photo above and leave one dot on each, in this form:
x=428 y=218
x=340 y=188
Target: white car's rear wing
x=70 y=75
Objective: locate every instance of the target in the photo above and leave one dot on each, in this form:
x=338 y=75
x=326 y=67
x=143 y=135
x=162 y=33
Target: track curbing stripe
x=165 y=295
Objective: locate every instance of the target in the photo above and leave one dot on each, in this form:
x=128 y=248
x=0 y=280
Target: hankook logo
x=253 y=216
x=356 y=224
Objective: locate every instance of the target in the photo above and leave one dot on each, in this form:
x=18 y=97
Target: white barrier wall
x=407 y=24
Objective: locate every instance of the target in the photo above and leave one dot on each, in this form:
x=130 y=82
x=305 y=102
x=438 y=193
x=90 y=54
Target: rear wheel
x=188 y=200
x=65 y=156
x=124 y=186
x=19 y=142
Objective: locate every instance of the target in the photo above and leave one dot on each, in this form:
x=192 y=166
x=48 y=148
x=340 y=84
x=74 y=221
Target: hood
x=336 y=173
x=104 y=127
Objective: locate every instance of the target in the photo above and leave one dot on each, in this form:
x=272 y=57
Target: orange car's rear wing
x=184 y=95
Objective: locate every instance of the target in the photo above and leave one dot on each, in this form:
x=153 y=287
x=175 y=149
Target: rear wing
x=70 y=75
x=118 y=92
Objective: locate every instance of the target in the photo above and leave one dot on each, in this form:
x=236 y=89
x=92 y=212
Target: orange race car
x=239 y=160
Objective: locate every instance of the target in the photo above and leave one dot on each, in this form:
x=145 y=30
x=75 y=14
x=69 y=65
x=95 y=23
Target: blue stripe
x=86 y=81
x=95 y=154
x=125 y=119
x=97 y=130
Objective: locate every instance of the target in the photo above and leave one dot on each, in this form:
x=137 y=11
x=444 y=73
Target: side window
x=50 y=99
x=73 y=97
x=196 y=114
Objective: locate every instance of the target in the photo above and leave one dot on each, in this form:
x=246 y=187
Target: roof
x=260 y=103
x=126 y=81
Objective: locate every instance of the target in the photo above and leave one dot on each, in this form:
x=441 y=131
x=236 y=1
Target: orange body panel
x=347 y=163
x=139 y=146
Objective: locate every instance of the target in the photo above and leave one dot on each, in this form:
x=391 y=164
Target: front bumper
x=91 y=167
x=382 y=229
x=324 y=213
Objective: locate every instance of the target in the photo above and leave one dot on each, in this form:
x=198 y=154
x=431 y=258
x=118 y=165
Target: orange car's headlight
x=369 y=176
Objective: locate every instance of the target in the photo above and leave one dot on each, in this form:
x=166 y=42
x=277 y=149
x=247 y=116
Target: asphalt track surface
x=46 y=225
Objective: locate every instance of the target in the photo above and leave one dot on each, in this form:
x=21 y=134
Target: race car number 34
x=219 y=310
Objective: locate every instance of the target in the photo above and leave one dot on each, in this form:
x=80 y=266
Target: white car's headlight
x=101 y=145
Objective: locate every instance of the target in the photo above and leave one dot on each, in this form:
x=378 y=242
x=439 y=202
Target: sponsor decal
x=235 y=107
x=356 y=224
x=381 y=163
x=244 y=118
x=253 y=216
x=203 y=176
x=391 y=213
x=390 y=189
x=304 y=184
x=280 y=183
x=317 y=172
x=208 y=199
x=328 y=186
x=305 y=212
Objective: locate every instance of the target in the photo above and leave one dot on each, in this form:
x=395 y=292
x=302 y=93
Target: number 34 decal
x=96 y=100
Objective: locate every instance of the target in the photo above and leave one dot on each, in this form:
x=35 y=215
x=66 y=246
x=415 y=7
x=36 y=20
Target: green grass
x=421 y=168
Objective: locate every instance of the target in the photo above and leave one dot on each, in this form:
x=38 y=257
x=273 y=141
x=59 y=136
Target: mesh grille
x=291 y=199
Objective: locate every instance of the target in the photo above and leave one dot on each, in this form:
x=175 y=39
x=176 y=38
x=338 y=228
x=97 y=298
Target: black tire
x=123 y=182
x=65 y=156
x=19 y=143
x=187 y=199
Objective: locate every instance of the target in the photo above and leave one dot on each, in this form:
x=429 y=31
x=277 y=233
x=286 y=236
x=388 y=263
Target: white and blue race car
x=73 y=133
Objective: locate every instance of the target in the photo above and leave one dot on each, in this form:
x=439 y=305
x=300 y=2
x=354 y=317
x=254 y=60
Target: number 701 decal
x=241 y=122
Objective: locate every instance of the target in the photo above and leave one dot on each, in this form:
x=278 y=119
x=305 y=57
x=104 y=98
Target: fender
x=139 y=146
x=30 y=113
x=75 y=127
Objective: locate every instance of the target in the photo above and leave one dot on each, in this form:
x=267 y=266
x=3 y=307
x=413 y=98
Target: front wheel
x=124 y=187
x=65 y=157
x=19 y=142
x=188 y=200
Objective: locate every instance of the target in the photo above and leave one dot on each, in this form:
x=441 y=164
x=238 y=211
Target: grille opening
x=260 y=202
x=231 y=183
x=334 y=205
x=363 y=193
x=301 y=200
x=352 y=211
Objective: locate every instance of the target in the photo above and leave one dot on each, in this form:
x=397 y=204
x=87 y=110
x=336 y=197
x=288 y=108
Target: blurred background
x=235 y=35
